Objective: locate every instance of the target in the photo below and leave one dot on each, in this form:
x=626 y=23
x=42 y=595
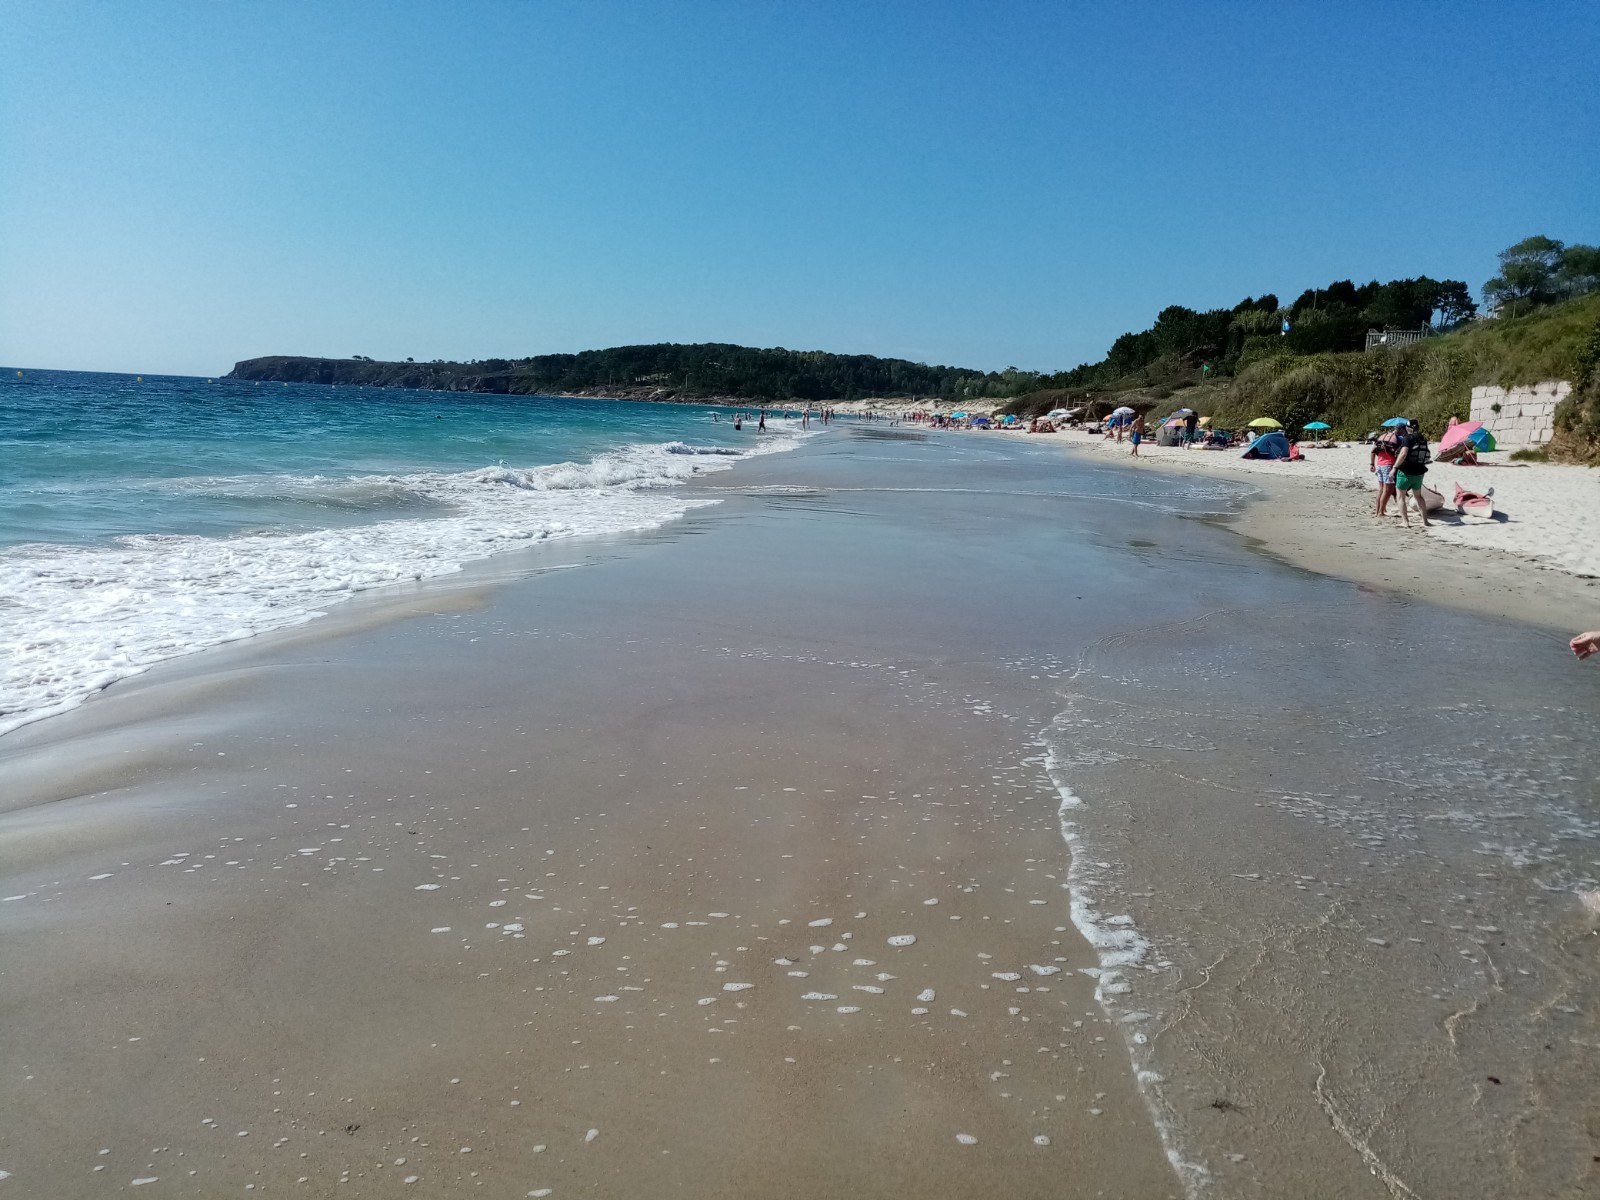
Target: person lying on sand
x=1586 y=644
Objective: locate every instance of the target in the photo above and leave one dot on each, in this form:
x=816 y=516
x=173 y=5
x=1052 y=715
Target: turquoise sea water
x=141 y=518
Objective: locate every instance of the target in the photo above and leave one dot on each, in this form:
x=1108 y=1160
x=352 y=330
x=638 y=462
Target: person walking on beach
x=1136 y=434
x=1410 y=466
x=1381 y=463
x=762 y=424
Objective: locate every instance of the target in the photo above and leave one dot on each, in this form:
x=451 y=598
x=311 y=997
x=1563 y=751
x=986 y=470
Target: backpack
x=1417 y=452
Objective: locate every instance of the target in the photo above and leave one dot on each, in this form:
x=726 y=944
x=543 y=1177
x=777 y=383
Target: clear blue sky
x=987 y=184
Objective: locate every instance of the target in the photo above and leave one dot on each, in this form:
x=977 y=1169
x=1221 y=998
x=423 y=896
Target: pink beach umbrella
x=1467 y=431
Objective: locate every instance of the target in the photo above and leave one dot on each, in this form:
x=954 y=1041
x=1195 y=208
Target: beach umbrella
x=1124 y=411
x=1394 y=422
x=957 y=416
x=1469 y=431
x=1205 y=421
x=1059 y=412
x=1265 y=423
x=1317 y=425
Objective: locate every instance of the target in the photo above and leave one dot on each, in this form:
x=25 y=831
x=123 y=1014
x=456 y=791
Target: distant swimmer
x=738 y=422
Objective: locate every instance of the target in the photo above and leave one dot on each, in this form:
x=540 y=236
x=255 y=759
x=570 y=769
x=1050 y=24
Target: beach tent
x=1265 y=423
x=1468 y=431
x=1268 y=445
x=1317 y=425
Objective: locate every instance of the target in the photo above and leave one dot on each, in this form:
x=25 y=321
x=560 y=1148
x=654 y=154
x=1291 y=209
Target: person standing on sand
x=1381 y=463
x=1136 y=434
x=1410 y=465
x=1190 y=424
x=1586 y=644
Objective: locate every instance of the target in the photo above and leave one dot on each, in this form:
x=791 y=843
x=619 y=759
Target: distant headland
x=664 y=372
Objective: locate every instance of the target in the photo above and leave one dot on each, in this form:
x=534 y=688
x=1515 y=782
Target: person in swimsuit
x=1136 y=435
x=1381 y=463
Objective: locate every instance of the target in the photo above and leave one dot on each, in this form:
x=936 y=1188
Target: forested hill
x=659 y=372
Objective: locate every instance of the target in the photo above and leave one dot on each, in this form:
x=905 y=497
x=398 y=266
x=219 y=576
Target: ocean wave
x=79 y=618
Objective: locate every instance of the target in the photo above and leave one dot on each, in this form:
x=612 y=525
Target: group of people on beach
x=825 y=415
x=1400 y=458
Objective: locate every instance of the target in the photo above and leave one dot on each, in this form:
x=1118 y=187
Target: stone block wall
x=1526 y=416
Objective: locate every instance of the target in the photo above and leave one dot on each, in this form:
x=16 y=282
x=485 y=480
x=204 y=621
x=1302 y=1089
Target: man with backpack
x=1410 y=466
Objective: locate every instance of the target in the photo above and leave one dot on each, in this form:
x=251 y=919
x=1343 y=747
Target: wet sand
x=466 y=889
x=344 y=919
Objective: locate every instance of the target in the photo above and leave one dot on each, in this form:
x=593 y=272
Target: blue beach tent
x=1268 y=445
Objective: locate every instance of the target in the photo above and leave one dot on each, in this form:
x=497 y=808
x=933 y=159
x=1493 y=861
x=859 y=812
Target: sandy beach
x=913 y=820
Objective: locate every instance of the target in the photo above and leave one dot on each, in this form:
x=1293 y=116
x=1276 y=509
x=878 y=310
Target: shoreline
x=1324 y=523
x=1317 y=516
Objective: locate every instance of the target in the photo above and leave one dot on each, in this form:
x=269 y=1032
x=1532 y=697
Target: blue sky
x=987 y=184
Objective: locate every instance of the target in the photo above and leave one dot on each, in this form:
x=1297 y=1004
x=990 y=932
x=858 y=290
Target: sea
x=147 y=517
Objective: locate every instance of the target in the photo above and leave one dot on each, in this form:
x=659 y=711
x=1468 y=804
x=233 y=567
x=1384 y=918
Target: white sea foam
x=78 y=618
x=1119 y=946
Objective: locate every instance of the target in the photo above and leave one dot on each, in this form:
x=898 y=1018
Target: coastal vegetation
x=1308 y=360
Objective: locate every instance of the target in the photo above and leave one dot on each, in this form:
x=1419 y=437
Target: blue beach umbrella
x=1393 y=421
x=1317 y=425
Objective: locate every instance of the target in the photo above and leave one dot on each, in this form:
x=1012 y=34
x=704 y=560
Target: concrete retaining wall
x=1526 y=416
